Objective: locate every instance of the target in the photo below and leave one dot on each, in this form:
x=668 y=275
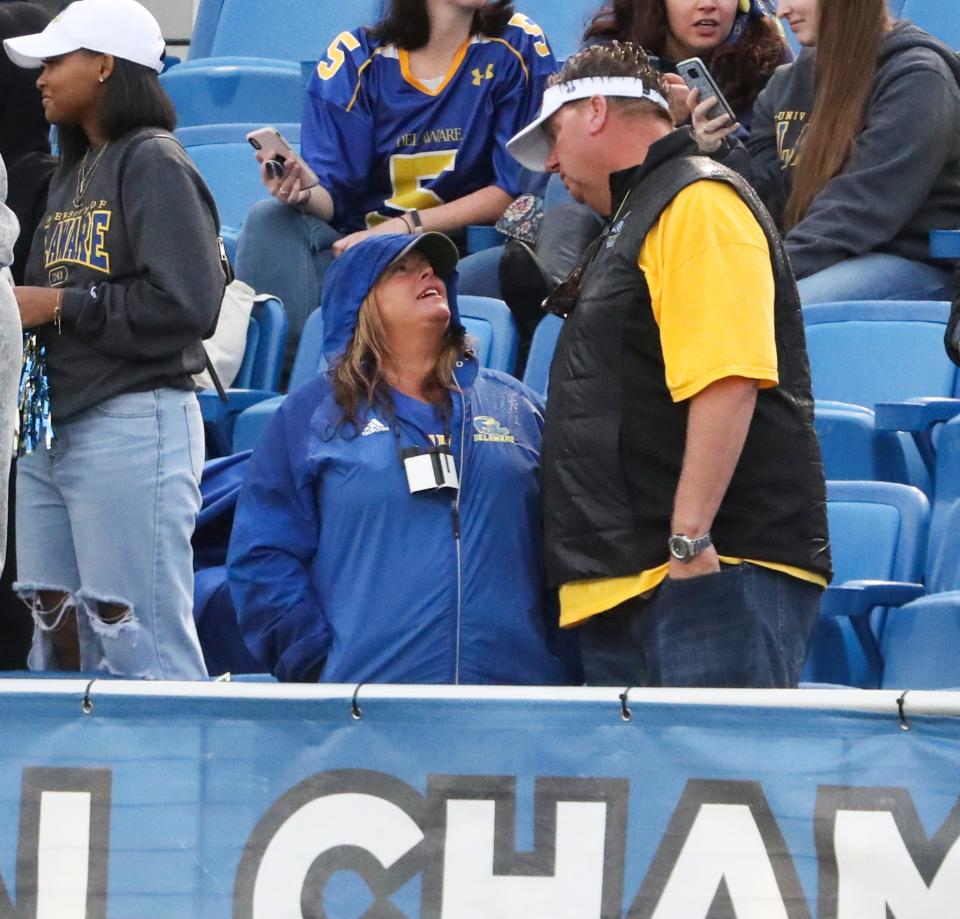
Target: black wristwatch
x=684 y=549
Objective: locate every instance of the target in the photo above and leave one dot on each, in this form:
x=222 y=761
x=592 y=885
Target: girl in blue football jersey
x=405 y=127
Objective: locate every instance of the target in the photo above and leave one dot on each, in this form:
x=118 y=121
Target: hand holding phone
x=711 y=116
x=696 y=76
x=278 y=150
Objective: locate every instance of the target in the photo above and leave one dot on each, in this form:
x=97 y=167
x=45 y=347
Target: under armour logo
x=479 y=76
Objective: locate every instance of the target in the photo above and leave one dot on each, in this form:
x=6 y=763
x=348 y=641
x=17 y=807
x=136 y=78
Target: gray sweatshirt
x=139 y=265
x=902 y=179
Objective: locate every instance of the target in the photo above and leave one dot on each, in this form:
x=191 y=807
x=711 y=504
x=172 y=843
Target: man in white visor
x=684 y=495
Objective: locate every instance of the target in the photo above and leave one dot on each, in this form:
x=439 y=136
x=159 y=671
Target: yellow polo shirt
x=707 y=265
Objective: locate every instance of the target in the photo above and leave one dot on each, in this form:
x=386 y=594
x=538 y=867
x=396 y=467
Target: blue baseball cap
x=352 y=276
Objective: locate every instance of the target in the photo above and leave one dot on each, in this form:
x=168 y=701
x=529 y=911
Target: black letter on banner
x=597 y=807
x=883 y=856
x=707 y=812
x=342 y=820
x=38 y=783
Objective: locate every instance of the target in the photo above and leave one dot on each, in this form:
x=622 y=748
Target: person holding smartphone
x=738 y=40
x=404 y=126
x=741 y=44
x=857 y=156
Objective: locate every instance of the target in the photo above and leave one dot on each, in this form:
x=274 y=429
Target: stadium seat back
x=921 y=644
x=266 y=339
x=878 y=351
x=940 y=18
x=943 y=554
x=226 y=162
x=544 y=343
x=309 y=360
x=878 y=531
x=846 y=435
x=204 y=27
x=495 y=333
x=296 y=30
x=219 y=91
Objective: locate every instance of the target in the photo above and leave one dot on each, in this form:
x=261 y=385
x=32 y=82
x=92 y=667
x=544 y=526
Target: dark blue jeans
x=746 y=626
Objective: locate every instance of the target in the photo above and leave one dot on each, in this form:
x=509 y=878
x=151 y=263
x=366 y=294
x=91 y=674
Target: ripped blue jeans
x=105 y=517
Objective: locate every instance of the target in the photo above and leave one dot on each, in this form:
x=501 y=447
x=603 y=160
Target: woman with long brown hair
x=389 y=527
x=404 y=129
x=856 y=153
x=739 y=40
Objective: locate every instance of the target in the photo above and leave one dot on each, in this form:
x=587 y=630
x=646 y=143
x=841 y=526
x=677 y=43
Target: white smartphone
x=269 y=138
x=696 y=76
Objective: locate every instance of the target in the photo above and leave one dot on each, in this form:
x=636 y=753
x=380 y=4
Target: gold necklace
x=85 y=175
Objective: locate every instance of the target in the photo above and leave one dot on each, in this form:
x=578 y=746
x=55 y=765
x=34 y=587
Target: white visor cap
x=531 y=146
x=122 y=28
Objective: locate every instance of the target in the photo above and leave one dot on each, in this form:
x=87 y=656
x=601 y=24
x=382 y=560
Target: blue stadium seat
x=867 y=352
x=262 y=364
x=494 y=330
x=226 y=90
x=295 y=30
x=260 y=407
x=878 y=537
x=918 y=642
x=945 y=244
x=537 y=372
x=204 y=26
x=846 y=435
x=939 y=17
x=921 y=644
x=259 y=370
x=227 y=164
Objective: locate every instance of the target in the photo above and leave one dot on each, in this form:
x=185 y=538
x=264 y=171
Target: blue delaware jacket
x=333 y=562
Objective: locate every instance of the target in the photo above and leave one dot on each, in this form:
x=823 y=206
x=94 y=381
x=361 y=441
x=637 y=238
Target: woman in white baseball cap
x=123 y=281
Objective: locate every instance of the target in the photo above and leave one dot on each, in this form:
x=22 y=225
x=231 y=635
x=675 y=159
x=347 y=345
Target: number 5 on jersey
x=327 y=69
x=407 y=171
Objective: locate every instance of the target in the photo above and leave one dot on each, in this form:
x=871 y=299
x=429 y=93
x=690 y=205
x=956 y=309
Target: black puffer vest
x=614 y=439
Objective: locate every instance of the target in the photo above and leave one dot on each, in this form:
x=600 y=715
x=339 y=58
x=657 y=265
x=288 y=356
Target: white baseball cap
x=531 y=146
x=122 y=28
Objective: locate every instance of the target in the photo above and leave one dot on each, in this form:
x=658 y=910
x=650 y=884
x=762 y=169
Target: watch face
x=679 y=548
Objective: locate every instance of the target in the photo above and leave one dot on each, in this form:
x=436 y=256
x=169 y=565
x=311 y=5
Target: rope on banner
x=86 y=706
x=625 y=712
x=901 y=702
x=355 y=711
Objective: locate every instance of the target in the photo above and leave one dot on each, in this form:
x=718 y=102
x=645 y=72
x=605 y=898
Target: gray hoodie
x=138 y=261
x=902 y=179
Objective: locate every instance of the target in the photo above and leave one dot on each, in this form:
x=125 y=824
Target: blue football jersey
x=382 y=142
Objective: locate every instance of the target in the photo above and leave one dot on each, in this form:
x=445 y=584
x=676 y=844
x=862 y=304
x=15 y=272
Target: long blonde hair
x=843 y=80
x=359 y=378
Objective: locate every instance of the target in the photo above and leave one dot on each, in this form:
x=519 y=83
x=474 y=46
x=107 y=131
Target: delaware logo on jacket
x=488 y=430
x=78 y=238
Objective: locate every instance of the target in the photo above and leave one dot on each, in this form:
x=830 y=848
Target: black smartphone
x=696 y=76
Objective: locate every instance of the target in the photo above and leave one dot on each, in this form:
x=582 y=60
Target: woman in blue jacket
x=355 y=555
